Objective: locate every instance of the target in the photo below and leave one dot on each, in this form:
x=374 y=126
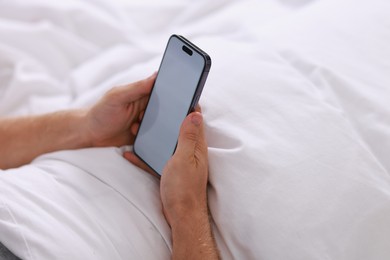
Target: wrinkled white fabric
x=297 y=123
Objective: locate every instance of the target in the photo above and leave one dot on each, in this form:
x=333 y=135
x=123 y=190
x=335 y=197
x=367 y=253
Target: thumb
x=190 y=133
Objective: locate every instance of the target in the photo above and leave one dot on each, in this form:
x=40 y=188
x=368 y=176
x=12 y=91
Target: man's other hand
x=114 y=120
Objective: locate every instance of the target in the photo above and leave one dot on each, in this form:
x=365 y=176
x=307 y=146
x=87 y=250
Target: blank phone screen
x=169 y=103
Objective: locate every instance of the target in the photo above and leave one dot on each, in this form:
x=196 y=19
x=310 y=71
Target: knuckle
x=113 y=91
x=191 y=136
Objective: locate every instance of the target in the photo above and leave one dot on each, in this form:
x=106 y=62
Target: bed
x=297 y=119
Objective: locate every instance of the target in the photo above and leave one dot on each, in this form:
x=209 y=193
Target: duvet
x=297 y=119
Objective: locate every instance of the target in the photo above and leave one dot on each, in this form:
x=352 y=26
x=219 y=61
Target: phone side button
x=196 y=99
x=195 y=102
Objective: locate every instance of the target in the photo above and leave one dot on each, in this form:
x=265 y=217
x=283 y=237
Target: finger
x=190 y=132
x=141 y=115
x=140 y=106
x=198 y=108
x=202 y=143
x=132 y=158
x=136 y=90
x=134 y=128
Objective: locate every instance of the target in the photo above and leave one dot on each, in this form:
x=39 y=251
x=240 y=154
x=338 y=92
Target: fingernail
x=196 y=119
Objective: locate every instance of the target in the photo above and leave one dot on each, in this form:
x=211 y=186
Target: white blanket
x=297 y=122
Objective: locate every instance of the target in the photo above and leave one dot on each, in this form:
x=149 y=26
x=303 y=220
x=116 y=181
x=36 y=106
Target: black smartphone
x=179 y=83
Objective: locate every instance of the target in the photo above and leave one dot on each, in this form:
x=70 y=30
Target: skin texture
x=114 y=121
x=183 y=190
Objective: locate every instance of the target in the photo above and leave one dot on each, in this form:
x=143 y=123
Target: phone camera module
x=187 y=50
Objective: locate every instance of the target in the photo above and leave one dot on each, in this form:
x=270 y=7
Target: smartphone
x=179 y=83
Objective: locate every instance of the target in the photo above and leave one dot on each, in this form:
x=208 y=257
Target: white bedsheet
x=297 y=121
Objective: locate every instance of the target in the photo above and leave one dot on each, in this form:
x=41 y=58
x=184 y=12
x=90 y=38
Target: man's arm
x=183 y=191
x=22 y=139
x=113 y=121
x=184 y=194
x=192 y=237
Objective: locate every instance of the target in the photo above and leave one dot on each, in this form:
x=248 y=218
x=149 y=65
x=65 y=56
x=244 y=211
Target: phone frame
x=197 y=93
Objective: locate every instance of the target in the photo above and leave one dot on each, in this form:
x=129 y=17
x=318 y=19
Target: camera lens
x=187 y=50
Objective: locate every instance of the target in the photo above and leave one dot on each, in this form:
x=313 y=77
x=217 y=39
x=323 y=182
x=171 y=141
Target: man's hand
x=114 y=120
x=183 y=191
x=184 y=180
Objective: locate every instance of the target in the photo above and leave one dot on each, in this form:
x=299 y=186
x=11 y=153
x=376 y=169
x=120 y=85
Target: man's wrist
x=192 y=236
x=186 y=217
x=81 y=130
x=178 y=210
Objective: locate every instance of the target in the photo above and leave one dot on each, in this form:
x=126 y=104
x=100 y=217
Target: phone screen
x=177 y=87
